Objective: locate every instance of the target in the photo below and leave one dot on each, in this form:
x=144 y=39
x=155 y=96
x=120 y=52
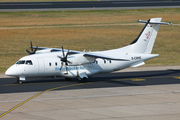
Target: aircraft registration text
x=136 y=58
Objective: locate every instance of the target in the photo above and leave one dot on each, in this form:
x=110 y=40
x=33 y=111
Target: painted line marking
x=177 y=77
x=138 y=79
x=38 y=95
x=141 y=78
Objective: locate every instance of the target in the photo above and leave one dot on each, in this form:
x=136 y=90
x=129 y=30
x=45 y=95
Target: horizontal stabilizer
x=103 y=57
x=154 y=22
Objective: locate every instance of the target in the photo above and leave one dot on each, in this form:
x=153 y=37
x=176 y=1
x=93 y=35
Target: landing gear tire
x=83 y=80
x=68 y=79
x=19 y=82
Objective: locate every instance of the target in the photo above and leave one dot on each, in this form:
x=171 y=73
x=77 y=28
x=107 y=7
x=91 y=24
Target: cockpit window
x=20 y=62
x=29 y=62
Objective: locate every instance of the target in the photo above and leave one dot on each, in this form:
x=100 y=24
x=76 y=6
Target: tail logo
x=147 y=35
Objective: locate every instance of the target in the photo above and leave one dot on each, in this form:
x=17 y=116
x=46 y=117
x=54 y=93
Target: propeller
x=64 y=59
x=33 y=50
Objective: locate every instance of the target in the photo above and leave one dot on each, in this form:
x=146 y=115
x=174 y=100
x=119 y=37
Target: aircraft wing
x=95 y=55
x=71 y=52
x=40 y=48
x=43 y=48
x=92 y=55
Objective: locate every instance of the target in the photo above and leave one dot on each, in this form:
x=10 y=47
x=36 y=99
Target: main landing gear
x=68 y=79
x=82 y=80
x=82 y=76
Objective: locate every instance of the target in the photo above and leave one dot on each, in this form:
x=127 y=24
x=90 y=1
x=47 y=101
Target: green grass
x=90 y=30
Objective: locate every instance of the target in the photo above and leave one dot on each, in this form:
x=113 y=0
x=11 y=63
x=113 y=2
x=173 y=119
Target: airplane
x=76 y=64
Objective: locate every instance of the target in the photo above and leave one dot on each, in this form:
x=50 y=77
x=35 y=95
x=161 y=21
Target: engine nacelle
x=79 y=59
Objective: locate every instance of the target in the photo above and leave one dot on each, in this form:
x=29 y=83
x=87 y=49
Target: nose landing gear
x=20 y=79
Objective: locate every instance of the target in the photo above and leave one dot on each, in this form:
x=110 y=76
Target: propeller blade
x=35 y=50
x=63 y=51
x=31 y=47
x=66 y=69
x=28 y=51
x=59 y=56
x=67 y=53
x=61 y=65
x=69 y=61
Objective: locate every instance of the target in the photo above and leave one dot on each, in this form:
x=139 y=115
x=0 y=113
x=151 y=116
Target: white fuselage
x=48 y=64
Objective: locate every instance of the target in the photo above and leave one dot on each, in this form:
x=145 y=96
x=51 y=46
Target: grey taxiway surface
x=131 y=94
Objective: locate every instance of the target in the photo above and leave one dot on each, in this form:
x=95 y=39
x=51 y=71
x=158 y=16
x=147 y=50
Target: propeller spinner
x=33 y=50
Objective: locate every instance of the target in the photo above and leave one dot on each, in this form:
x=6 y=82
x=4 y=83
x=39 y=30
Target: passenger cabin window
x=49 y=64
x=29 y=62
x=56 y=63
x=109 y=61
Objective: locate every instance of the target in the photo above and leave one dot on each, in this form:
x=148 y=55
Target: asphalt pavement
x=88 y=5
x=142 y=76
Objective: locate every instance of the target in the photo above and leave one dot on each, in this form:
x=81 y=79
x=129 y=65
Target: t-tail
x=143 y=44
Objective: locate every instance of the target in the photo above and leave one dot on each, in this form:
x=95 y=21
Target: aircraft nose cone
x=8 y=72
x=11 y=71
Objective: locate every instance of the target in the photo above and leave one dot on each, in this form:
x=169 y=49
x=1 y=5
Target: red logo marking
x=147 y=35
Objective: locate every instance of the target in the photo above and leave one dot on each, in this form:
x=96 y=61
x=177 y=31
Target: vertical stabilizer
x=145 y=41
